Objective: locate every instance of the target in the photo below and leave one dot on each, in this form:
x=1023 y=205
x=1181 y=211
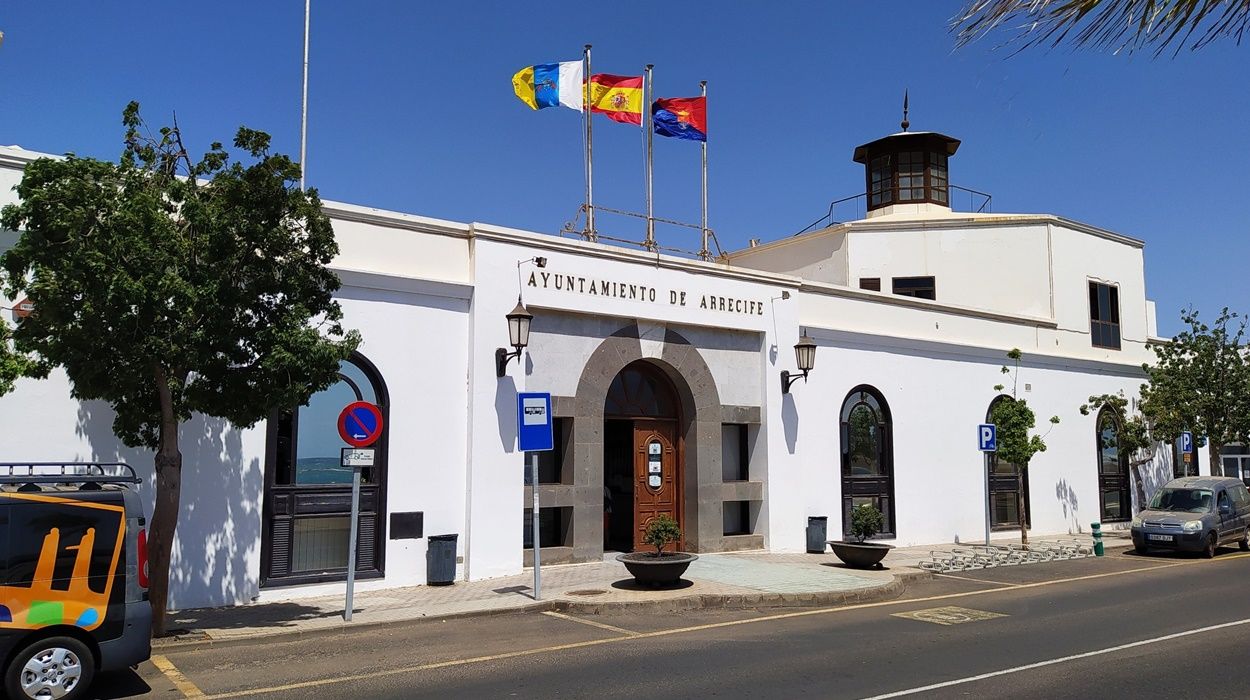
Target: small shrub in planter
x=661 y=532
x=866 y=521
x=658 y=568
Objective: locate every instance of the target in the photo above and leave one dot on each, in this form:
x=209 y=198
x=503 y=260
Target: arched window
x=1113 y=476
x=640 y=391
x=1007 y=481
x=308 y=491
x=867 y=456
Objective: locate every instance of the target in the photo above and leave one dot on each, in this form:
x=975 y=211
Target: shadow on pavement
x=840 y=565
x=268 y=615
x=629 y=584
x=118 y=684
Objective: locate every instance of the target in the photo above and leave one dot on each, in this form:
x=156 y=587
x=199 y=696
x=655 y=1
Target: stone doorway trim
x=701 y=428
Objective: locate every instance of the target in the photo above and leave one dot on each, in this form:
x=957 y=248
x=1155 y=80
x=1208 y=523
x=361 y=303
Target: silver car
x=1195 y=514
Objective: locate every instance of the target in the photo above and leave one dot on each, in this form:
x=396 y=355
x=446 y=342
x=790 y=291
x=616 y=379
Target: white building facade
x=660 y=365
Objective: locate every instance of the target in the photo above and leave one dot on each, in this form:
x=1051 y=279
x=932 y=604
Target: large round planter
x=651 y=570
x=860 y=555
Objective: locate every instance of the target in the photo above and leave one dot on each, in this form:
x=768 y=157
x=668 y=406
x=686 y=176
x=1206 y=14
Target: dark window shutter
x=280 y=552
x=367 y=544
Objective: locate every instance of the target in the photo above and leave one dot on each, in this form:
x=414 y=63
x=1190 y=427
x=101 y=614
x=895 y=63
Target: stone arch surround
x=700 y=428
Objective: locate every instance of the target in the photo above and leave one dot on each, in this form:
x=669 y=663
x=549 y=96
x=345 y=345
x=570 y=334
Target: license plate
x=1159 y=538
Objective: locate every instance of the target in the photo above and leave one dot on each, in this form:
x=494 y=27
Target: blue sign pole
x=534 y=435
x=987 y=442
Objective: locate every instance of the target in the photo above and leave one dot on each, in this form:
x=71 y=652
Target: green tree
x=166 y=287
x=1116 y=25
x=1014 y=420
x=1200 y=381
x=13 y=364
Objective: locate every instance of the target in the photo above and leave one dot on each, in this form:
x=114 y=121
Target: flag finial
x=905 y=123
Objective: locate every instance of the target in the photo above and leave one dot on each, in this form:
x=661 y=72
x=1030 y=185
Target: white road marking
x=592 y=623
x=1063 y=659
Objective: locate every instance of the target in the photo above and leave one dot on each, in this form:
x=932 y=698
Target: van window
x=1223 y=501
x=1241 y=496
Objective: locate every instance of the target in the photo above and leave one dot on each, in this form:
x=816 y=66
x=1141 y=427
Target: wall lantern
x=518 y=322
x=805 y=355
x=518 y=336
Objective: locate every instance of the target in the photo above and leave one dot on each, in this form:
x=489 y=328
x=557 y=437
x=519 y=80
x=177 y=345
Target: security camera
x=540 y=262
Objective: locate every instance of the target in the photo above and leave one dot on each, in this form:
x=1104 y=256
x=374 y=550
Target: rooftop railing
x=855 y=207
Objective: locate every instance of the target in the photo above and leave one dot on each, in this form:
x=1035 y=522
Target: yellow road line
x=181 y=682
x=697 y=628
x=592 y=623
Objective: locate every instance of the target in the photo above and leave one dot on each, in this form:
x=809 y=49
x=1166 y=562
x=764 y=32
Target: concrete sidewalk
x=731 y=580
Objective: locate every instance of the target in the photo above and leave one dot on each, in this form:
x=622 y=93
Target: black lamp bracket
x=502 y=358
x=788 y=379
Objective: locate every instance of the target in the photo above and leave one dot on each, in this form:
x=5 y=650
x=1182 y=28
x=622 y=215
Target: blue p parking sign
x=1187 y=442
x=987 y=437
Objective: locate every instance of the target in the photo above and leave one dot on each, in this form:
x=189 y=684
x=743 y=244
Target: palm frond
x=1115 y=25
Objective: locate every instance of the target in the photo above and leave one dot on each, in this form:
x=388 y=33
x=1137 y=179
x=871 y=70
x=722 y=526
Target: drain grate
x=587 y=591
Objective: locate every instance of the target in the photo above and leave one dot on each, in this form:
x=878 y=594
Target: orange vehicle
x=73 y=596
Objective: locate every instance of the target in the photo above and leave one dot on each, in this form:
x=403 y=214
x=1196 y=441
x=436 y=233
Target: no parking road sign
x=360 y=424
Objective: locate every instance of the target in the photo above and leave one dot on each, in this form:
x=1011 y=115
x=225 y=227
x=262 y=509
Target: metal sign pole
x=538 y=575
x=985 y=457
x=351 y=546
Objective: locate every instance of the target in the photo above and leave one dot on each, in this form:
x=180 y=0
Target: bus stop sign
x=533 y=422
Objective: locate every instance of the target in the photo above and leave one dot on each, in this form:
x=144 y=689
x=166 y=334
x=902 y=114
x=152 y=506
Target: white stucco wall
x=937 y=396
x=997 y=268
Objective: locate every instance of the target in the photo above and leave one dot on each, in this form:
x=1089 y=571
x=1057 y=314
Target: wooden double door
x=657 y=481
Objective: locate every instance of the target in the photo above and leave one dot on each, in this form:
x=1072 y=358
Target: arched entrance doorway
x=642 y=455
x=1007 y=480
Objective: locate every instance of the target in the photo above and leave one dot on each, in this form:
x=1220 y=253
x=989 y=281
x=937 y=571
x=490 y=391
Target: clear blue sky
x=411 y=109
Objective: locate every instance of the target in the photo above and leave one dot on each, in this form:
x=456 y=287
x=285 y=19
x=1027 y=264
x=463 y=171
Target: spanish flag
x=617 y=97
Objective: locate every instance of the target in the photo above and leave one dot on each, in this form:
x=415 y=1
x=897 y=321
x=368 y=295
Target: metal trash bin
x=440 y=560
x=817 y=526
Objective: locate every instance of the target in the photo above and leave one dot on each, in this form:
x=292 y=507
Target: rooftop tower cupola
x=906 y=173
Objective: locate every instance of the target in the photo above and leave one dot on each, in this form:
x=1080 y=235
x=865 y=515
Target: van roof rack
x=67 y=473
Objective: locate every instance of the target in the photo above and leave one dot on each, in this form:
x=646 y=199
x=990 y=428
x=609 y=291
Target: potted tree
x=866 y=521
x=658 y=568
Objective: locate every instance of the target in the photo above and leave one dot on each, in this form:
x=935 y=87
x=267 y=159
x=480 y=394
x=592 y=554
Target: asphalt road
x=1119 y=626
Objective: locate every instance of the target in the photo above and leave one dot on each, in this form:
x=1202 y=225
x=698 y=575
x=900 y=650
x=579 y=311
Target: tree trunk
x=165 y=512
x=1213 y=456
x=1020 y=506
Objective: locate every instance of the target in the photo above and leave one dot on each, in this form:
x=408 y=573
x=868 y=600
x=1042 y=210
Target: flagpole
x=704 y=253
x=589 y=234
x=303 y=119
x=649 y=125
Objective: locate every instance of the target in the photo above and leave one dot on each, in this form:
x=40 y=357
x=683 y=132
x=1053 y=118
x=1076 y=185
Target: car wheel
x=1244 y=542
x=1209 y=551
x=57 y=668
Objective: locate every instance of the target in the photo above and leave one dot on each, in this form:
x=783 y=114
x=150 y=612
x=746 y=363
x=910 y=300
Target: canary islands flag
x=617 y=97
x=550 y=84
x=681 y=117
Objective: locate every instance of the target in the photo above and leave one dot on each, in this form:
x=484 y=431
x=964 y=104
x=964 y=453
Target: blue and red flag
x=681 y=117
